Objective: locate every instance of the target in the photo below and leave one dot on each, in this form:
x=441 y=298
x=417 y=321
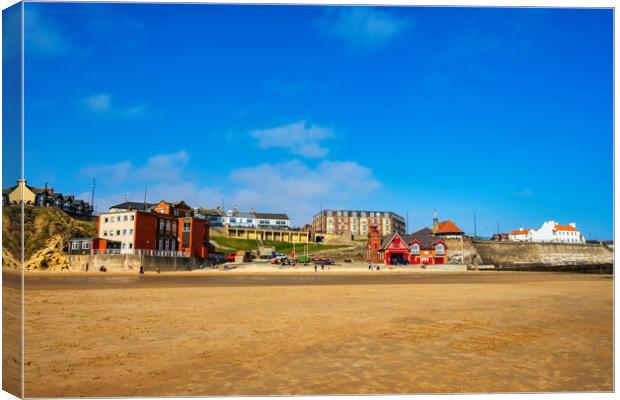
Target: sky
x=503 y=112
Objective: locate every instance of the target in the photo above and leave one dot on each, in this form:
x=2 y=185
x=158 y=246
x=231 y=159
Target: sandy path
x=523 y=332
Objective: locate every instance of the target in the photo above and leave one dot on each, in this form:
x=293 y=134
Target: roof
x=209 y=211
x=134 y=205
x=565 y=228
x=270 y=216
x=520 y=232
x=424 y=236
x=447 y=227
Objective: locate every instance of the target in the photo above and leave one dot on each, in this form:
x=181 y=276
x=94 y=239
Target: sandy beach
x=230 y=333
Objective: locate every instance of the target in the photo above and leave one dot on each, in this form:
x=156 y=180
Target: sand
x=118 y=335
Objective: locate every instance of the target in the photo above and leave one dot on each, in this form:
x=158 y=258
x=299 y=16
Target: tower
x=435 y=221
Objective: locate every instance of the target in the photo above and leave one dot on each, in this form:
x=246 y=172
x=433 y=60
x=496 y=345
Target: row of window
x=118 y=232
x=118 y=218
x=166 y=244
x=76 y=245
x=362 y=214
x=167 y=225
x=415 y=249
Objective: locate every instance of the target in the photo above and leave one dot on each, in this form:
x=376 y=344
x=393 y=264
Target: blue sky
x=506 y=112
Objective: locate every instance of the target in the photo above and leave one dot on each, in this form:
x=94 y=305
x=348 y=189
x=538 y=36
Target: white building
x=253 y=219
x=550 y=231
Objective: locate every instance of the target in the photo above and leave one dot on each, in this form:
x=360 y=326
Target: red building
x=194 y=236
x=176 y=208
x=161 y=234
x=421 y=247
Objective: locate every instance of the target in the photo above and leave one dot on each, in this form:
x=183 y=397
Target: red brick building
x=162 y=234
x=175 y=208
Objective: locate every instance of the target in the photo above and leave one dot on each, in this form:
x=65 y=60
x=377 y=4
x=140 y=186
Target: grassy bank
x=281 y=247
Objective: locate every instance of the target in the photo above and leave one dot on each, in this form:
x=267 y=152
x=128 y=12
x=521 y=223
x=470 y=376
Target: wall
x=454 y=249
x=129 y=263
x=548 y=254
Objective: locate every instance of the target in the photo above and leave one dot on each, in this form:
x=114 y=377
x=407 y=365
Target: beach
x=331 y=332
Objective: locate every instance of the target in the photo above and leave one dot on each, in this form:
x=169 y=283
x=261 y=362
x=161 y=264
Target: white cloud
x=99 y=102
x=292 y=187
x=42 y=35
x=299 y=138
x=102 y=103
x=363 y=28
x=298 y=189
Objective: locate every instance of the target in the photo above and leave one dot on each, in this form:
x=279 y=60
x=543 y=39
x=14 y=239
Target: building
x=155 y=233
x=421 y=247
x=193 y=236
x=131 y=206
x=45 y=197
x=176 y=208
x=550 y=231
x=82 y=246
x=520 y=235
x=446 y=229
x=213 y=216
x=252 y=219
x=272 y=221
x=341 y=222
x=500 y=237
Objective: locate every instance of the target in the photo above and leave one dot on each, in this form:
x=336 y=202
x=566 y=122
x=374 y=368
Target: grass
x=281 y=247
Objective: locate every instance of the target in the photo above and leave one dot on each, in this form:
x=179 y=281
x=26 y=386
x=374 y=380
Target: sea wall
x=462 y=251
x=505 y=255
x=128 y=263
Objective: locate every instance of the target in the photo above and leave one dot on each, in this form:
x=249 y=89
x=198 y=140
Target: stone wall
x=456 y=247
x=129 y=263
x=504 y=254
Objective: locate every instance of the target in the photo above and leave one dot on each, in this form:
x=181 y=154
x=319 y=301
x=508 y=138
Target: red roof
x=520 y=232
x=447 y=227
x=565 y=228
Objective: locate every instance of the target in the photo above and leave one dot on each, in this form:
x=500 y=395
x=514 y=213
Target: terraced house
x=45 y=197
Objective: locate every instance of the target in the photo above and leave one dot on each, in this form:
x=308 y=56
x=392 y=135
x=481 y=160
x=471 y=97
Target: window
x=105 y=219
x=131 y=231
x=161 y=225
x=75 y=245
x=124 y=231
x=160 y=244
x=124 y=218
x=86 y=245
x=131 y=217
x=130 y=245
x=118 y=232
x=124 y=245
x=415 y=248
x=174 y=226
x=186 y=226
x=111 y=232
x=168 y=226
x=105 y=233
x=439 y=249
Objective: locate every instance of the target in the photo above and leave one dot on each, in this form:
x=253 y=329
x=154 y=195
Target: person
x=369 y=266
x=141 y=269
x=322 y=267
x=314 y=267
x=378 y=268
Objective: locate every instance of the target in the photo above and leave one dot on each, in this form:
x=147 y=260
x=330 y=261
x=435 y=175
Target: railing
x=156 y=253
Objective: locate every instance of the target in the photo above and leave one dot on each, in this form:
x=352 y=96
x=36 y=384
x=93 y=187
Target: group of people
x=370 y=267
x=316 y=267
